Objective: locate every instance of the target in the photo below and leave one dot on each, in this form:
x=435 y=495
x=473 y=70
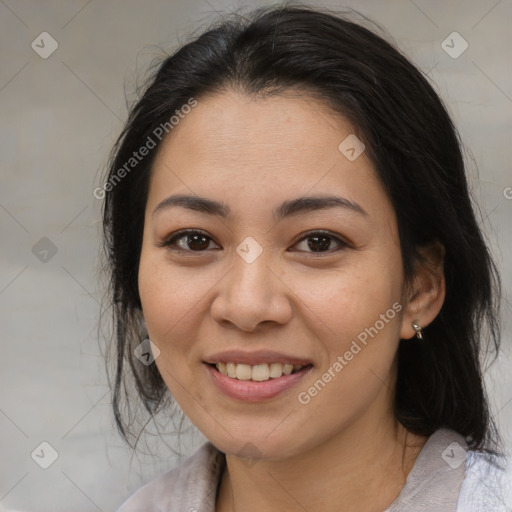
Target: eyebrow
x=288 y=208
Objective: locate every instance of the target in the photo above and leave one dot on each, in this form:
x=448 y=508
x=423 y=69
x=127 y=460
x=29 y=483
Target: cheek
x=165 y=299
x=168 y=308
x=166 y=293
x=349 y=300
x=175 y=306
x=356 y=313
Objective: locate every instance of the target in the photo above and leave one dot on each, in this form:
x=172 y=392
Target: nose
x=252 y=294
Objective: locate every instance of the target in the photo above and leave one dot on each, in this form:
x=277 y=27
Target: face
x=259 y=267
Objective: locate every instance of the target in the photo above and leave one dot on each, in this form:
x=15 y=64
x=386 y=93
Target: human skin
x=344 y=450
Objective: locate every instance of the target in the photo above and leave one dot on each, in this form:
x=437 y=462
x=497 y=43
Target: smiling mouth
x=259 y=372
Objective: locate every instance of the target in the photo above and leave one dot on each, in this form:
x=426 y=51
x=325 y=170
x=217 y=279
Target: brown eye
x=319 y=242
x=197 y=242
x=191 y=241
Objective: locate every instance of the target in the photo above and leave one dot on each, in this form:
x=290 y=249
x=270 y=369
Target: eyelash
x=170 y=241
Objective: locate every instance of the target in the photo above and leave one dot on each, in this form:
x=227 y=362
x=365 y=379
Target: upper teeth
x=257 y=372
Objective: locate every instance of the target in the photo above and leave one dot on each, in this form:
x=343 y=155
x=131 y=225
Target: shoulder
x=191 y=485
x=487 y=484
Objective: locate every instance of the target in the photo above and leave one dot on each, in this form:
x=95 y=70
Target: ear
x=425 y=294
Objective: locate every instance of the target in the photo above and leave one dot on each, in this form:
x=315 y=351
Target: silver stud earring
x=419 y=331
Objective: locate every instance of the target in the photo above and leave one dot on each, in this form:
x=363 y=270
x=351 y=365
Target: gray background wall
x=58 y=118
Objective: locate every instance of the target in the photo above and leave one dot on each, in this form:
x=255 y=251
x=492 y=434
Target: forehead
x=262 y=148
x=233 y=125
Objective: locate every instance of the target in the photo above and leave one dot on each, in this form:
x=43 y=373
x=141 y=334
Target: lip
x=252 y=391
x=253 y=358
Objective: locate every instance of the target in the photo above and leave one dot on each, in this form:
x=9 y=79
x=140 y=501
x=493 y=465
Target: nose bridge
x=251 y=293
x=252 y=278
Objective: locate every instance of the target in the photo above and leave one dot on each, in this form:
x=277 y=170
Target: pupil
x=197 y=242
x=318 y=243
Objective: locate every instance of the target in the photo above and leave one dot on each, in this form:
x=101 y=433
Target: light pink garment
x=445 y=478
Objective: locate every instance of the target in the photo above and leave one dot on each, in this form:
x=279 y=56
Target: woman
x=287 y=219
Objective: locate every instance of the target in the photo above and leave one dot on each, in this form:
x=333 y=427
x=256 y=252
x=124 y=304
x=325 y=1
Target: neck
x=363 y=468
